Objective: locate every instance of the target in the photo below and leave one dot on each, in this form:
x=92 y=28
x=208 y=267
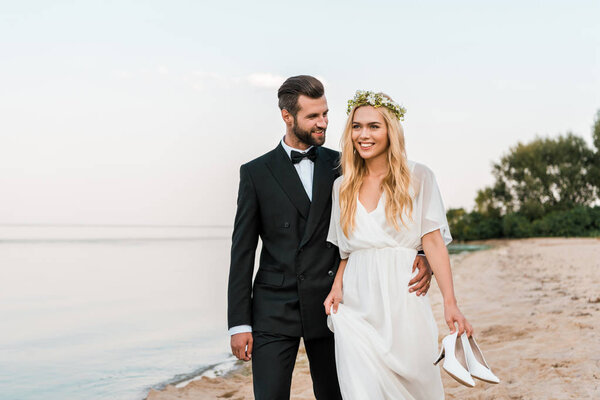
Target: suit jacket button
x=330 y=273
x=301 y=277
x=301 y=249
x=286 y=225
x=328 y=245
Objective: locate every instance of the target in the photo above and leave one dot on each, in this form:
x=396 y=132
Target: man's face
x=311 y=120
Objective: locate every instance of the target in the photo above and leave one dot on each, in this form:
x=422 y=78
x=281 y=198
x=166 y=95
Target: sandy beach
x=535 y=307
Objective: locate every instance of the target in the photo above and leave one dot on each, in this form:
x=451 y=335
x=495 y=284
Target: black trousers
x=273 y=359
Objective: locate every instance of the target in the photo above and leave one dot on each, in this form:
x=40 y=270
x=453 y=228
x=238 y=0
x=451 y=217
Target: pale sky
x=140 y=112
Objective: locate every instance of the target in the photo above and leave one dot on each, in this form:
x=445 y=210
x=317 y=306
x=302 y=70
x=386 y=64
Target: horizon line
x=119 y=225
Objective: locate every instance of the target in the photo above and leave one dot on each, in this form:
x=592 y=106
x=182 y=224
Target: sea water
x=99 y=312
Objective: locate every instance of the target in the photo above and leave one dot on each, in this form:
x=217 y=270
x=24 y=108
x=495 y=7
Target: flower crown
x=366 y=97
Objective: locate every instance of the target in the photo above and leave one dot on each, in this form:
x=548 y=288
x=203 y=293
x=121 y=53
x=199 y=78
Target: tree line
x=546 y=187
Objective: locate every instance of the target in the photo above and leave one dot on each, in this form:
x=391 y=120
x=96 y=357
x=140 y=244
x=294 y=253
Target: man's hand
x=420 y=283
x=241 y=345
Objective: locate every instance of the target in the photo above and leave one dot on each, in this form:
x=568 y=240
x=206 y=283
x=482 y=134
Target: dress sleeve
x=335 y=229
x=433 y=213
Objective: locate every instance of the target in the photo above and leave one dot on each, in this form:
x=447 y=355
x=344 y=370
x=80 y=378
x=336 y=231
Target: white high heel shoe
x=455 y=363
x=478 y=368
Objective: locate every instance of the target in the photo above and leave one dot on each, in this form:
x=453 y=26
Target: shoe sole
x=485 y=380
x=459 y=380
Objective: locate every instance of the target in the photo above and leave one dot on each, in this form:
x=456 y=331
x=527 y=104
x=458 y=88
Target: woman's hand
x=333 y=299
x=453 y=315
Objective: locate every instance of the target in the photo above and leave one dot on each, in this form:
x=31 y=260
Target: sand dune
x=535 y=307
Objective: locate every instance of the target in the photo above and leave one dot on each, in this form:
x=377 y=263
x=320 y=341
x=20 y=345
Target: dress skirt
x=385 y=337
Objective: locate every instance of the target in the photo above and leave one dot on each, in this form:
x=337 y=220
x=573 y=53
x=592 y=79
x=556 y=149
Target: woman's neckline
x=365 y=208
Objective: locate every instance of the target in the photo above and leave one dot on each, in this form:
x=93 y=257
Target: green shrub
x=515 y=225
x=578 y=221
x=595 y=218
x=574 y=222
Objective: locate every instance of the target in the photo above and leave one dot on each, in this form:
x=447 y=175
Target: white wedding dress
x=386 y=339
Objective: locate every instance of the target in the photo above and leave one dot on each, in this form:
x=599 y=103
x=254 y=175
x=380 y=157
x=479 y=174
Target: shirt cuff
x=239 y=329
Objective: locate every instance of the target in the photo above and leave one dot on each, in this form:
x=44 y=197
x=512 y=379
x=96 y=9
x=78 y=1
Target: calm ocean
x=93 y=312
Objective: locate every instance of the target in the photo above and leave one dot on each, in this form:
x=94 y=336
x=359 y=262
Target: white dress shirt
x=305 y=169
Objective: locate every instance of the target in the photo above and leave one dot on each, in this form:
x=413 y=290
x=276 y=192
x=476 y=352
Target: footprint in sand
x=582 y=314
x=594 y=301
x=228 y=395
x=502 y=333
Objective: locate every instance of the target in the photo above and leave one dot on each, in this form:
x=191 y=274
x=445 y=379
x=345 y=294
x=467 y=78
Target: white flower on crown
x=362 y=97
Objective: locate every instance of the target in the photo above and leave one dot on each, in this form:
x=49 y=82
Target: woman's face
x=369 y=133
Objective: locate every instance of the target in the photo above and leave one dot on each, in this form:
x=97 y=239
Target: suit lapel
x=286 y=175
x=323 y=177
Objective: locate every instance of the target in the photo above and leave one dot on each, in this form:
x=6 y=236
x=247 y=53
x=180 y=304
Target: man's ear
x=287 y=117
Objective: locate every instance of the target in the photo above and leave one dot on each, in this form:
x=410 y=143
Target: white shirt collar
x=289 y=149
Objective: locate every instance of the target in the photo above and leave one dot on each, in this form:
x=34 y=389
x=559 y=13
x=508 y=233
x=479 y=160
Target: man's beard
x=306 y=138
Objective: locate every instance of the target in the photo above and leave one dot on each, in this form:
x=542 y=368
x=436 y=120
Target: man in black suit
x=285 y=199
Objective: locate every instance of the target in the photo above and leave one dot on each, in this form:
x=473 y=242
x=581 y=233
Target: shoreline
x=517 y=294
x=224 y=368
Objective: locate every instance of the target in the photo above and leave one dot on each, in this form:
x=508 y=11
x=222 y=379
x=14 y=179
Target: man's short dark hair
x=293 y=87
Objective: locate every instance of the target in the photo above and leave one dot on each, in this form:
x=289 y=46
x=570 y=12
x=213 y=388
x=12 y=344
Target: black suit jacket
x=297 y=266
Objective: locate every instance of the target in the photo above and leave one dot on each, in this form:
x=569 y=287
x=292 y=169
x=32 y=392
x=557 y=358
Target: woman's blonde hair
x=396 y=183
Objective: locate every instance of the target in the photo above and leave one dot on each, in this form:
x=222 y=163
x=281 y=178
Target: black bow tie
x=311 y=155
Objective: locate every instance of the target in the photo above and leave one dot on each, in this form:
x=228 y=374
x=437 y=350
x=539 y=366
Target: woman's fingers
x=469 y=328
x=455 y=319
x=461 y=325
x=451 y=326
x=327 y=304
x=336 y=302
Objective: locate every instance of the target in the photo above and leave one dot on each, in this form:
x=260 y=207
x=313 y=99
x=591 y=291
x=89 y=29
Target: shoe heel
x=441 y=356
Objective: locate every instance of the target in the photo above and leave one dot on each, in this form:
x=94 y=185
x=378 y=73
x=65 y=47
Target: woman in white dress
x=384 y=209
